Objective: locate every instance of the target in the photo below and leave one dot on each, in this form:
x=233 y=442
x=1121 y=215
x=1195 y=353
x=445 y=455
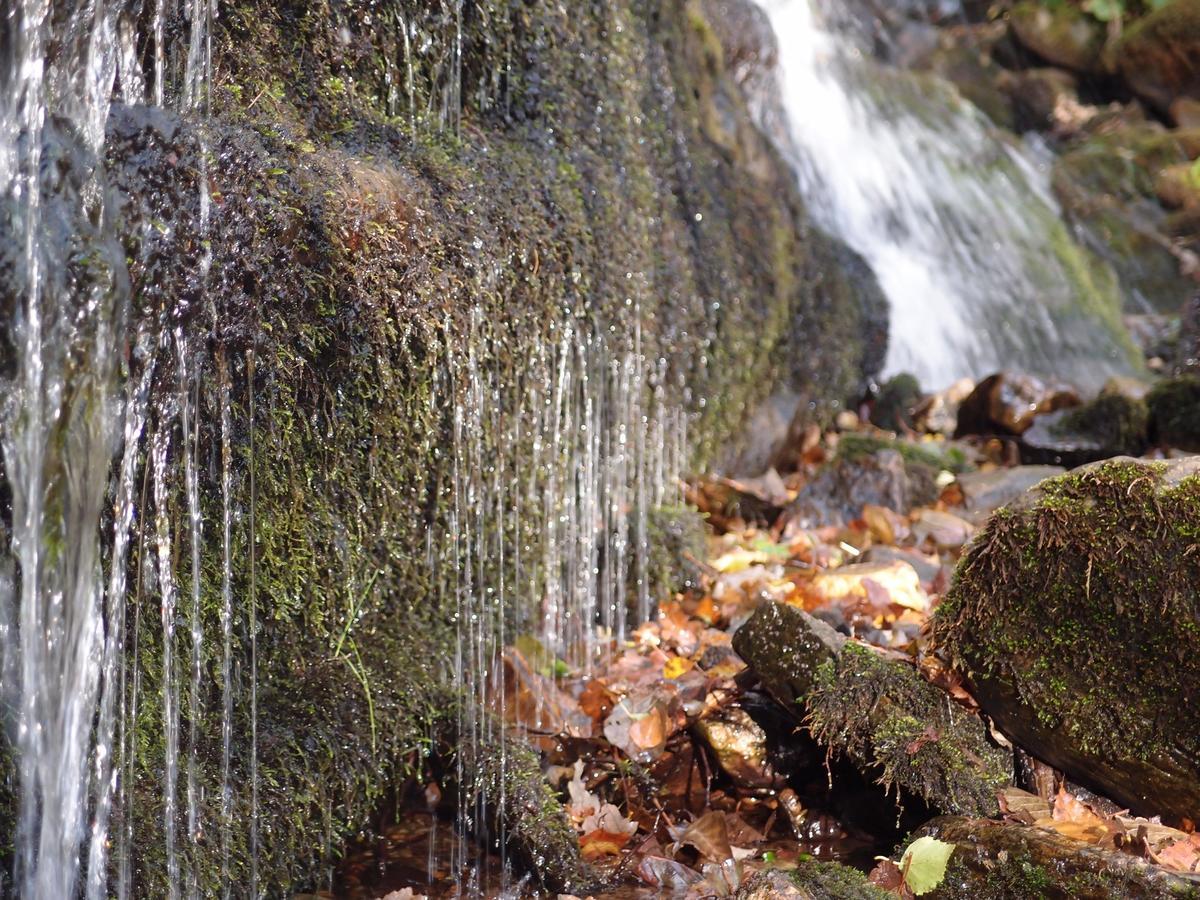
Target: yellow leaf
x=676 y=666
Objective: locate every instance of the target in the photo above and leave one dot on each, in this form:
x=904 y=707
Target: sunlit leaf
x=924 y=864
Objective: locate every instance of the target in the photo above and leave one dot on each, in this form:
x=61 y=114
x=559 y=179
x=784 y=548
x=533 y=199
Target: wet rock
x=739 y=745
x=896 y=403
x=1044 y=100
x=1105 y=183
x=1008 y=402
x=1159 y=56
x=938 y=414
x=879 y=712
x=512 y=787
x=842 y=488
x=1061 y=34
x=785 y=647
x=971 y=57
x=1175 y=412
x=811 y=880
x=1187 y=355
x=994 y=859
x=1111 y=425
x=1073 y=616
x=985 y=492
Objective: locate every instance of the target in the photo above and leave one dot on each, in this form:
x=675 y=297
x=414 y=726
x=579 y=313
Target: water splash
x=959 y=225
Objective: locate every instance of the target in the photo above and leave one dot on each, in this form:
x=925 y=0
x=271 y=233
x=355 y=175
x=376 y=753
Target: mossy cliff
x=1074 y=615
x=437 y=249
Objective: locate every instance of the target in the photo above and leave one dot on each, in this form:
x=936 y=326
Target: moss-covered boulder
x=896 y=403
x=1112 y=424
x=1159 y=55
x=1060 y=33
x=1074 y=616
x=1175 y=412
x=890 y=723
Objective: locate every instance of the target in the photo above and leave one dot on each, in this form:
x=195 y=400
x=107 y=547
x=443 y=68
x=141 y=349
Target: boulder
x=1000 y=860
x=1073 y=617
x=985 y=492
x=1007 y=403
x=1159 y=56
x=1175 y=412
x=1113 y=424
x=877 y=711
x=896 y=403
x=1062 y=34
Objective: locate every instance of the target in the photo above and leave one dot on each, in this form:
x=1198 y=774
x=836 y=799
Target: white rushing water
x=958 y=224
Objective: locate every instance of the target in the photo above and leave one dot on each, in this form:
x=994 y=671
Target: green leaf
x=1105 y=10
x=924 y=864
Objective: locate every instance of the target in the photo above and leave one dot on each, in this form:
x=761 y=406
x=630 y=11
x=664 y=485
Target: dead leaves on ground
x=1081 y=821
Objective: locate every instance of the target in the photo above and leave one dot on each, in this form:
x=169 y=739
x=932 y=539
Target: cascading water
x=958 y=224
x=122 y=430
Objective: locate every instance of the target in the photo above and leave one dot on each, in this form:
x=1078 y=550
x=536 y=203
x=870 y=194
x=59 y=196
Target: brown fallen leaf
x=595 y=845
x=1181 y=856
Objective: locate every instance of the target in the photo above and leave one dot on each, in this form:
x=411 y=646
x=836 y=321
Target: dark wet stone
x=1008 y=402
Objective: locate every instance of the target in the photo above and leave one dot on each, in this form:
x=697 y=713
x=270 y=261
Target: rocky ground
x=930 y=661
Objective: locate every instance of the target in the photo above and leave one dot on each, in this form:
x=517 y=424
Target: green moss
x=896 y=401
x=886 y=718
x=932 y=455
x=1175 y=412
x=1113 y=421
x=834 y=881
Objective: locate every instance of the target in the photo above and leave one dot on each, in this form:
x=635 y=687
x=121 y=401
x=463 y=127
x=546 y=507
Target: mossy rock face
x=1074 y=616
x=1175 y=412
x=404 y=257
x=1159 y=56
x=1002 y=861
x=1106 y=184
x=1060 y=33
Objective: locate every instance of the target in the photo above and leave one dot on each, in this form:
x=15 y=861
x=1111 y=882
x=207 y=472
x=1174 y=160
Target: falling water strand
x=136 y=404
x=226 y=623
x=190 y=437
x=252 y=624
x=167 y=598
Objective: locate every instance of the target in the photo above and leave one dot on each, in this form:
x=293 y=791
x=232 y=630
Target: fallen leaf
x=1181 y=856
x=595 y=845
x=676 y=666
x=924 y=864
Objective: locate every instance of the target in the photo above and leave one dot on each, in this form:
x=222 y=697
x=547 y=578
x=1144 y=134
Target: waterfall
x=958 y=222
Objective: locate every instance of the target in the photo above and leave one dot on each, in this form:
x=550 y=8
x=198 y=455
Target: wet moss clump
x=834 y=881
x=1114 y=422
x=1074 y=614
x=1175 y=412
x=677 y=540
x=895 y=403
x=886 y=718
